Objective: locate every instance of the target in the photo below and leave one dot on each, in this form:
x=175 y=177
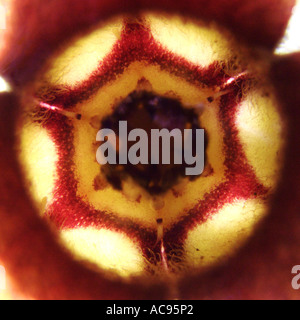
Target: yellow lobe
x=112 y=251
x=82 y=57
x=224 y=233
x=38 y=157
x=260 y=130
x=197 y=42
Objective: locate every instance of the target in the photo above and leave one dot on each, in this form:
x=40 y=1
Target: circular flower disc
x=196 y=223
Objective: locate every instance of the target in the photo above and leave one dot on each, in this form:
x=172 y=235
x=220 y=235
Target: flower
x=277 y=240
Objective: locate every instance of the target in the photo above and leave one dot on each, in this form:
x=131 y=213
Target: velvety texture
x=39 y=28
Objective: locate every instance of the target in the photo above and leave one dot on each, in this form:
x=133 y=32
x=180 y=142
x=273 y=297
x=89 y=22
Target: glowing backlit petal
x=87 y=52
x=221 y=236
x=290 y=42
x=260 y=130
x=110 y=250
x=199 y=43
x=38 y=155
x=4 y=86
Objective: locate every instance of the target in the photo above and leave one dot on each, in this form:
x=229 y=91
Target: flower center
x=160 y=115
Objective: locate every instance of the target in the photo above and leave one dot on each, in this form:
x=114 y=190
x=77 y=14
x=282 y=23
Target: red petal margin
x=38 y=28
x=262 y=270
x=38 y=266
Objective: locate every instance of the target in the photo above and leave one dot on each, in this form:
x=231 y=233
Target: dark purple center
x=145 y=110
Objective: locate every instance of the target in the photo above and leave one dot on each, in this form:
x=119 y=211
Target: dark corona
x=147 y=111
